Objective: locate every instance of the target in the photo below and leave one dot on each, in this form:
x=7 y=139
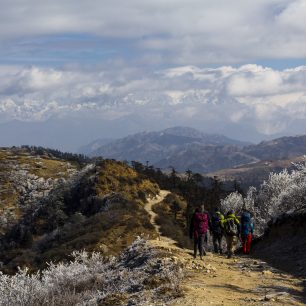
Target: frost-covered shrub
x=233 y=201
x=283 y=192
x=92 y=279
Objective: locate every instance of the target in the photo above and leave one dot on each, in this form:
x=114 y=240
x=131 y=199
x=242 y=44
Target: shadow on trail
x=286 y=265
x=232 y=287
x=283 y=247
x=287 y=255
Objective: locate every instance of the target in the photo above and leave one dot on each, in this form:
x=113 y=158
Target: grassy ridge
x=120 y=178
x=72 y=218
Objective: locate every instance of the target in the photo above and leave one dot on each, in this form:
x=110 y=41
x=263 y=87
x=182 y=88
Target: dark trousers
x=199 y=244
x=217 y=240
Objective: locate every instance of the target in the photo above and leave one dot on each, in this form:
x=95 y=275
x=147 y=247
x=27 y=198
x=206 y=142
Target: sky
x=73 y=71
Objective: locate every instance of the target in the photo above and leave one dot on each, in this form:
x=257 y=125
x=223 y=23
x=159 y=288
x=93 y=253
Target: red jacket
x=199 y=224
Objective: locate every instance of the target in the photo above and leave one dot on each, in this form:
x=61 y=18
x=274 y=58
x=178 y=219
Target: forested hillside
x=27 y=175
x=93 y=206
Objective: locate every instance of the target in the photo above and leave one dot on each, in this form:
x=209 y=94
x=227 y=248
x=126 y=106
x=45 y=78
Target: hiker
x=216 y=230
x=231 y=226
x=199 y=226
x=246 y=231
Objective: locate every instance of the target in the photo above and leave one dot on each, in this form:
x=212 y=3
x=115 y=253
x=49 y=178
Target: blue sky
x=220 y=66
x=62 y=49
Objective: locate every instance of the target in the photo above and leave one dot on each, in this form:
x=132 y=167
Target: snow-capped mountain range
x=249 y=103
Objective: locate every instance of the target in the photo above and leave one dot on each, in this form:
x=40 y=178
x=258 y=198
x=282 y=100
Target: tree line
x=193 y=187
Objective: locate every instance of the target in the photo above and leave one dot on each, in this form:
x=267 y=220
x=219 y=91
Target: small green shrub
x=170 y=226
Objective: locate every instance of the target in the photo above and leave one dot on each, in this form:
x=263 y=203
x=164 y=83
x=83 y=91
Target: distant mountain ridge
x=94 y=145
x=186 y=148
x=254 y=174
x=178 y=147
x=280 y=148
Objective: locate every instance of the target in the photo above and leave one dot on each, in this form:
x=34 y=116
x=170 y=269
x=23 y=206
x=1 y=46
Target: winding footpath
x=151 y=202
x=220 y=281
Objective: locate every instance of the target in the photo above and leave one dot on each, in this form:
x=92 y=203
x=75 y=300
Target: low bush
x=170 y=226
x=96 y=280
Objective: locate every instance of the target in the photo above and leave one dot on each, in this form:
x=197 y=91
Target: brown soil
x=216 y=280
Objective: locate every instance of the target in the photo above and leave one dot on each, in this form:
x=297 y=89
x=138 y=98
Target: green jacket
x=228 y=218
x=231 y=216
x=221 y=218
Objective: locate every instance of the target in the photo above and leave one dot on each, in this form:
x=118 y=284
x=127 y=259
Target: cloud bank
x=266 y=100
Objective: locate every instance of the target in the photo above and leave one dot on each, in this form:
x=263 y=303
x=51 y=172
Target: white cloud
x=271 y=119
x=294 y=16
x=252 y=83
x=37 y=79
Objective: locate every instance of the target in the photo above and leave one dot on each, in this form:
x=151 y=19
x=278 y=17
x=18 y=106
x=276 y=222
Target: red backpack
x=200 y=223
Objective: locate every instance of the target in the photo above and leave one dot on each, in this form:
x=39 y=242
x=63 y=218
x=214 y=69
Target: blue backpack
x=216 y=223
x=246 y=224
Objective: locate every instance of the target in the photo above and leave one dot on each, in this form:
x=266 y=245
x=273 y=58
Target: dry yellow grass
x=119 y=178
x=46 y=168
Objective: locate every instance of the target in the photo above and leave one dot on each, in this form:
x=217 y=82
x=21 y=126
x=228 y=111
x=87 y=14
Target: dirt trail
x=220 y=281
x=153 y=215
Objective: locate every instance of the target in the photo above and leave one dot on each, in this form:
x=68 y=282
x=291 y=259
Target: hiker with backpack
x=216 y=230
x=231 y=226
x=199 y=226
x=246 y=231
